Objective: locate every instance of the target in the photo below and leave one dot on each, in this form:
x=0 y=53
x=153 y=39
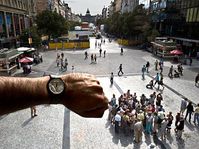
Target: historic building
x=88 y=18
x=15 y=16
x=178 y=19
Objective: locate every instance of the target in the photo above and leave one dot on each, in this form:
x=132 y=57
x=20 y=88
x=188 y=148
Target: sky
x=80 y=6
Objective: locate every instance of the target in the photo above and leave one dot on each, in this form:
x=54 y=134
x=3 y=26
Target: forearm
x=21 y=93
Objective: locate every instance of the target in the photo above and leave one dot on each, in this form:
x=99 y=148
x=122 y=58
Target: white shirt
x=118 y=118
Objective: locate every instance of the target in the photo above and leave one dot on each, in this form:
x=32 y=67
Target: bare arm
x=83 y=95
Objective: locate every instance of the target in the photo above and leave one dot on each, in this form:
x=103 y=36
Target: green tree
x=33 y=33
x=51 y=24
x=72 y=24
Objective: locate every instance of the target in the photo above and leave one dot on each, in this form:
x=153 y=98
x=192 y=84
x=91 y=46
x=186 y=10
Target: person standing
x=183 y=105
x=104 y=53
x=100 y=51
x=66 y=64
x=120 y=70
x=177 y=120
x=196 y=115
x=189 y=111
x=156 y=65
x=180 y=69
x=162 y=132
x=92 y=58
x=138 y=128
x=117 y=121
x=190 y=61
x=111 y=78
x=196 y=80
x=33 y=111
x=149 y=123
x=180 y=128
x=95 y=58
x=170 y=74
x=147 y=66
x=143 y=72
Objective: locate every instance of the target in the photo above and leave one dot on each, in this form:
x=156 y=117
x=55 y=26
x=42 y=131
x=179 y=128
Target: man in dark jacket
x=189 y=111
x=180 y=128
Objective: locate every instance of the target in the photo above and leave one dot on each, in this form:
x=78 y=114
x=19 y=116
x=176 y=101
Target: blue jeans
x=196 y=118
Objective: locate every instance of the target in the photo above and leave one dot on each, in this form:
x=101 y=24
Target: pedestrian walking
x=183 y=105
x=95 y=58
x=147 y=67
x=138 y=128
x=33 y=111
x=161 y=82
x=111 y=78
x=120 y=70
x=86 y=55
x=143 y=72
x=100 y=51
x=196 y=115
x=104 y=53
x=157 y=79
x=197 y=80
x=189 y=111
x=122 y=51
x=170 y=74
x=156 y=65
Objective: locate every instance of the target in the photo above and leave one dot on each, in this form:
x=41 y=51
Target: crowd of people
x=134 y=115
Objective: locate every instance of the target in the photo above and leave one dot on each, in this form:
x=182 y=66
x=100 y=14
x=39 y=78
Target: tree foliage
x=127 y=25
x=51 y=24
x=34 y=34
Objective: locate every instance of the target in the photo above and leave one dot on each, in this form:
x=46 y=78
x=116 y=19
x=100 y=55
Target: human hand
x=84 y=95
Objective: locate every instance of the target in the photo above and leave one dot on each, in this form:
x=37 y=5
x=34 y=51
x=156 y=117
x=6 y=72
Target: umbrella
x=26 y=60
x=176 y=52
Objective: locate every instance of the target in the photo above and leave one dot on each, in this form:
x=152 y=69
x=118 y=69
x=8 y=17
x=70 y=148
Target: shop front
x=8 y=61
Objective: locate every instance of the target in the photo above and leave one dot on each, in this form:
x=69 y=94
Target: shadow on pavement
x=26 y=122
x=3 y=116
x=190 y=126
x=124 y=139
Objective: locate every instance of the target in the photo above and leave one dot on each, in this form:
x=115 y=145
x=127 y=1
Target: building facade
x=178 y=19
x=88 y=17
x=128 y=5
x=15 y=16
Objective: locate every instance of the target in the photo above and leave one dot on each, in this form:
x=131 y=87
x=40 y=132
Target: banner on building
x=1 y=23
x=9 y=22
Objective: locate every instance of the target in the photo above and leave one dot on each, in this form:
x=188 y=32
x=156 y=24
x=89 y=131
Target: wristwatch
x=56 y=88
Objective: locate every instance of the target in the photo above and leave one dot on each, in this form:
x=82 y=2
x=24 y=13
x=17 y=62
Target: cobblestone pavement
x=56 y=127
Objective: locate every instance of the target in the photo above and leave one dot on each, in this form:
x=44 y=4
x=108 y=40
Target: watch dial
x=56 y=86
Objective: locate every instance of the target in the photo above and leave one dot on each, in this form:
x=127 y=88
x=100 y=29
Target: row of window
x=20 y=4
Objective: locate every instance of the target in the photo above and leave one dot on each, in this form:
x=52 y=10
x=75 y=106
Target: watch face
x=56 y=86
